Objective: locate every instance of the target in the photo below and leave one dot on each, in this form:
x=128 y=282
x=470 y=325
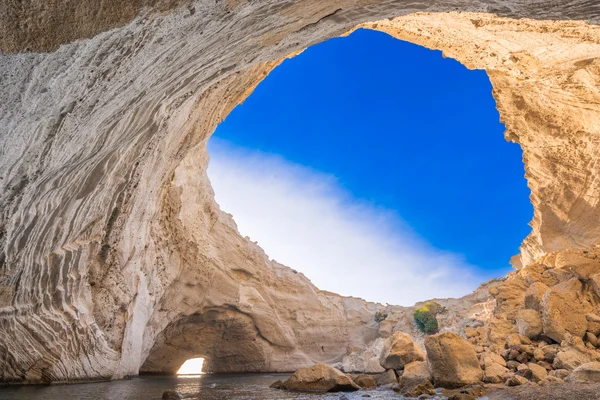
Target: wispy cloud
x=304 y=219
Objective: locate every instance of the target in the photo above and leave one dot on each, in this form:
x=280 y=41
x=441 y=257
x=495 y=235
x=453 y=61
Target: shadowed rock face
x=114 y=255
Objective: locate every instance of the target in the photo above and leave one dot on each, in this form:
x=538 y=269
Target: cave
x=113 y=252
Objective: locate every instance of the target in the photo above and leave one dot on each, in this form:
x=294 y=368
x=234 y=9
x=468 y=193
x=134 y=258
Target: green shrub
x=425 y=317
x=379 y=316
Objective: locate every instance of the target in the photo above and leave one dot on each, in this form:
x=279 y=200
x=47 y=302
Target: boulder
x=470 y=332
x=564 y=309
x=529 y=323
x=593 y=324
x=320 y=378
x=417 y=370
x=538 y=354
x=494 y=368
x=512 y=365
x=516 y=380
x=452 y=360
x=586 y=373
x=592 y=318
x=385 y=328
x=414 y=387
x=524 y=371
x=550 y=351
x=277 y=385
x=595 y=281
x=398 y=350
x=513 y=342
x=537 y=372
x=591 y=338
x=573 y=353
x=577 y=263
x=466 y=393
x=534 y=294
x=388 y=377
x=366 y=381
x=171 y=395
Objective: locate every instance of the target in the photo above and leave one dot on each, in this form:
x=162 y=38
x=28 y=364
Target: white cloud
x=304 y=219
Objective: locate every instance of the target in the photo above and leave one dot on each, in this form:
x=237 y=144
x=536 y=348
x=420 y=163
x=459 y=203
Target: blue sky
x=402 y=144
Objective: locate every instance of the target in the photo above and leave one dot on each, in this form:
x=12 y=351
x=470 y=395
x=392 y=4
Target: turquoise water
x=205 y=387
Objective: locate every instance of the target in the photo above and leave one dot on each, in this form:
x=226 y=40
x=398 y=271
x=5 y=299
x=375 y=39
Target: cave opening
x=192 y=367
x=369 y=152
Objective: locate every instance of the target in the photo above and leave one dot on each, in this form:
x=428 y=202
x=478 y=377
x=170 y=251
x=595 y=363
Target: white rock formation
x=114 y=256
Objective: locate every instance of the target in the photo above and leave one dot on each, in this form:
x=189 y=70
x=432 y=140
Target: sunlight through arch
x=193 y=366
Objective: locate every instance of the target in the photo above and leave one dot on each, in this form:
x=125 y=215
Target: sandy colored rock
x=399 y=350
x=494 y=368
x=386 y=378
x=537 y=372
x=573 y=353
x=320 y=378
x=414 y=388
x=452 y=360
x=366 y=381
x=582 y=265
x=586 y=373
x=591 y=338
x=595 y=280
x=417 y=370
x=529 y=323
x=564 y=309
x=534 y=294
x=516 y=380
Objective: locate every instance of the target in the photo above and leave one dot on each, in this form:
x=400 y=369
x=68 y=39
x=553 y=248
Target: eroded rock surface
x=114 y=256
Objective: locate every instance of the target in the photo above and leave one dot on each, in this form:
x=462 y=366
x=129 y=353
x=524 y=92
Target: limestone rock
x=399 y=350
x=320 y=378
x=417 y=370
x=586 y=373
x=573 y=353
x=494 y=368
x=386 y=328
x=591 y=338
x=564 y=310
x=115 y=255
x=537 y=372
x=452 y=360
x=414 y=388
x=277 y=385
x=529 y=323
x=386 y=378
x=595 y=279
x=366 y=381
x=534 y=295
x=516 y=380
x=580 y=264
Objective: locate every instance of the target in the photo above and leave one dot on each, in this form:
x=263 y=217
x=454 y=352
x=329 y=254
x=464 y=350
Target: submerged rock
x=171 y=395
x=320 y=378
x=277 y=385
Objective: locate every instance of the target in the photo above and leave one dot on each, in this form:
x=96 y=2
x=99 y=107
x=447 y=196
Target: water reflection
x=195 y=387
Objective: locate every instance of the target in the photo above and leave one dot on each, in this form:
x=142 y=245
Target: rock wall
x=114 y=255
